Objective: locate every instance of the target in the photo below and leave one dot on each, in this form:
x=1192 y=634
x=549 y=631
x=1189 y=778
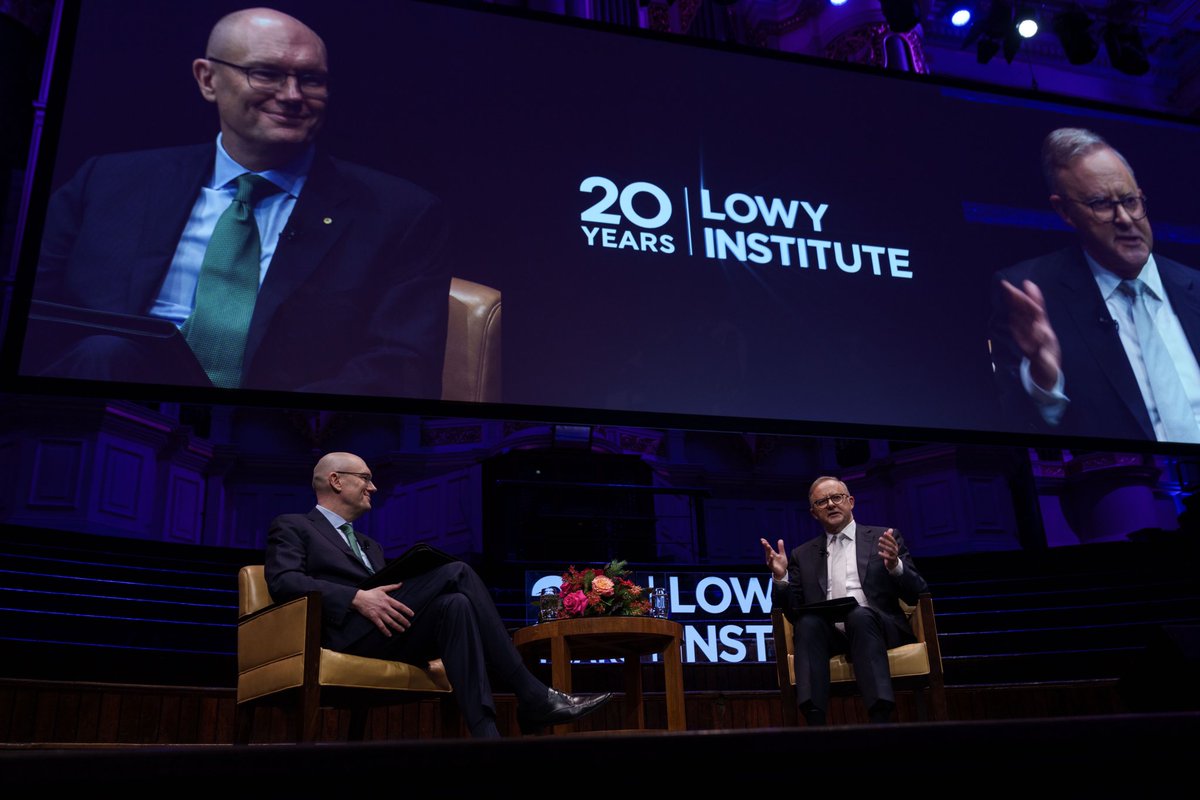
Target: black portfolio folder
x=416 y=560
x=76 y=321
x=834 y=610
x=54 y=329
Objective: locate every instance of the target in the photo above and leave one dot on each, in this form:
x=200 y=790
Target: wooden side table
x=611 y=637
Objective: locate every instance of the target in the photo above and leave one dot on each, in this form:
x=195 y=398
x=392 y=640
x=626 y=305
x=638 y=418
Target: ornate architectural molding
x=868 y=45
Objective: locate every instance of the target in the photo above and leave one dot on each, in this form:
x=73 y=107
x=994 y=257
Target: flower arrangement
x=602 y=592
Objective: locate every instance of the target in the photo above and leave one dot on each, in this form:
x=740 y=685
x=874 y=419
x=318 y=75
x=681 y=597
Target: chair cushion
x=903 y=661
x=342 y=669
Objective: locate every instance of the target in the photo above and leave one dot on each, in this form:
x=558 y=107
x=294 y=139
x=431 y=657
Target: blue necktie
x=837 y=566
x=1170 y=400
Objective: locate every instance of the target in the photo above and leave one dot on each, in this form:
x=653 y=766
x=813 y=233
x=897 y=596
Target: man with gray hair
x=1100 y=338
x=867 y=563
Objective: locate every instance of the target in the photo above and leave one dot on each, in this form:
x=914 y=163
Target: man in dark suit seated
x=870 y=564
x=1098 y=339
x=447 y=613
x=282 y=268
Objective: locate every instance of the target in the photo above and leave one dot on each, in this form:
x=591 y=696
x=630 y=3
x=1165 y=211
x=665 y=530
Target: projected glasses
x=1106 y=210
x=830 y=500
x=365 y=477
x=266 y=79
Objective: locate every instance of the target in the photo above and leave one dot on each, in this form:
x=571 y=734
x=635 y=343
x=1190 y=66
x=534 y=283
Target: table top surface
x=621 y=635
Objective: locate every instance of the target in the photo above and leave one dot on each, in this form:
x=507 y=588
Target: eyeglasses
x=831 y=500
x=365 y=477
x=268 y=79
x=1106 y=210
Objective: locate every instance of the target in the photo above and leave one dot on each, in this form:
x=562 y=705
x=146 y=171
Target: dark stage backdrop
x=675 y=228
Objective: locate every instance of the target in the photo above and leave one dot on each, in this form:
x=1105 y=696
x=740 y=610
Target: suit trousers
x=455 y=619
x=866 y=642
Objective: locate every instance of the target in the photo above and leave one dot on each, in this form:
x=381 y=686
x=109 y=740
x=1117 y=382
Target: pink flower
x=602 y=585
x=575 y=603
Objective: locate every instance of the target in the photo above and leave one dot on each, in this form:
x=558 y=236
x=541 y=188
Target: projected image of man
x=1100 y=338
x=282 y=267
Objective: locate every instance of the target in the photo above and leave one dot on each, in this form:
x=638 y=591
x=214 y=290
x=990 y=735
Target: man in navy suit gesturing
x=446 y=613
x=1100 y=338
x=870 y=564
x=282 y=268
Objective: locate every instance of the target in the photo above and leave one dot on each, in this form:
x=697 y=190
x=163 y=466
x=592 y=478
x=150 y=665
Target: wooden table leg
x=635 y=713
x=673 y=677
x=560 y=672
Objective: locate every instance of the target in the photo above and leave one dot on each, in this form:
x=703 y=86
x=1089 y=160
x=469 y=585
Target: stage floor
x=1094 y=754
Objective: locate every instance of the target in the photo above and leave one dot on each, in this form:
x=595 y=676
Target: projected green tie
x=228 y=286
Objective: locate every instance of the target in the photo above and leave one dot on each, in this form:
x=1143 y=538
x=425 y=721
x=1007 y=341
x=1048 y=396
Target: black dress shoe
x=880 y=713
x=560 y=708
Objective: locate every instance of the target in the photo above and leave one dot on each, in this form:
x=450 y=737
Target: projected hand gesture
x=1033 y=333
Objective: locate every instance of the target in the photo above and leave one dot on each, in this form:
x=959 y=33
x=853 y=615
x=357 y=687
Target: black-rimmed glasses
x=831 y=500
x=365 y=477
x=1106 y=210
x=269 y=79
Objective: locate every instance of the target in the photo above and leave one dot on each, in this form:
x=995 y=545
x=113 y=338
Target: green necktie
x=228 y=286
x=348 y=529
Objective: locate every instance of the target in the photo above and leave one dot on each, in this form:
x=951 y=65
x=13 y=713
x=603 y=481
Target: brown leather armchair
x=472 y=366
x=917 y=665
x=281 y=663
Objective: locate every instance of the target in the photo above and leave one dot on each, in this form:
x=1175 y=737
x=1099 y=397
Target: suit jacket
x=1105 y=399
x=808 y=578
x=306 y=554
x=354 y=301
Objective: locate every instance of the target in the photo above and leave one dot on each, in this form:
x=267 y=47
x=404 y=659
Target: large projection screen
x=675 y=229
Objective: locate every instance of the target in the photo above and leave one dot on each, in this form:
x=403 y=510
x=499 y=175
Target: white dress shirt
x=177 y=296
x=1053 y=404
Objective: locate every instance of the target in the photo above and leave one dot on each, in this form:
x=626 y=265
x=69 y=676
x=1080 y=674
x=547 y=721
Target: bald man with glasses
x=445 y=613
x=867 y=563
x=280 y=266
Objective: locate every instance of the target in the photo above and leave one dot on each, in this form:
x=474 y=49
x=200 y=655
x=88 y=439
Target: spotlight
x=837 y=2
x=960 y=16
x=1027 y=22
x=1125 y=50
x=901 y=15
x=1072 y=29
